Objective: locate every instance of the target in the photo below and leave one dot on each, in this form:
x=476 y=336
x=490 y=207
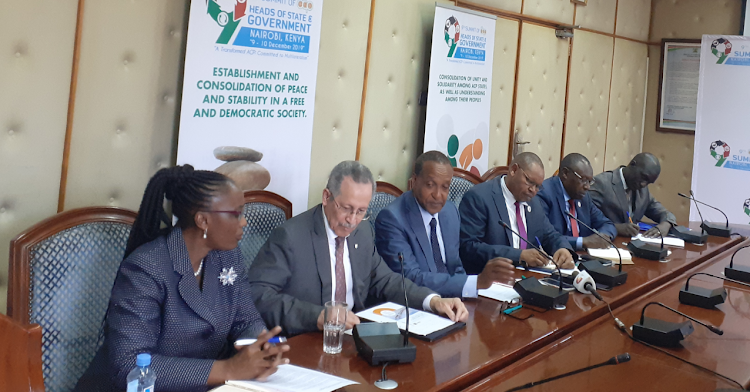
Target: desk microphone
x=406 y=299
x=622 y=358
x=584 y=283
x=665 y=333
x=535 y=293
x=710 y=228
x=600 y=273
x=648 y=251
x=705 y=298
x=740 y=273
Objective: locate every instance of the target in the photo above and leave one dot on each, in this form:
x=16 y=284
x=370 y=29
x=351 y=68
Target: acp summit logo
x=746 y=207
x=721 y=48
x=452 y=34
x=226 y=16
x=728 y=54
x=466 y=42
x=721 y=152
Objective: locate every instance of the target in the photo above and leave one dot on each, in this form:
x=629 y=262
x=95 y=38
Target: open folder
x=422 y=325
x=611 y=254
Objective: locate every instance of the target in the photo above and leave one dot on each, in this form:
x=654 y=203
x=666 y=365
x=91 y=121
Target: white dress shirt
x=470 y=286
x=348 y=269
x=510 y=204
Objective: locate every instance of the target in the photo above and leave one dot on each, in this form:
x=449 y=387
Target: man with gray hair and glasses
x=325 y=255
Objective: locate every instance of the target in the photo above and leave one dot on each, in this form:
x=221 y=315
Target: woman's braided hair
x=188 y=189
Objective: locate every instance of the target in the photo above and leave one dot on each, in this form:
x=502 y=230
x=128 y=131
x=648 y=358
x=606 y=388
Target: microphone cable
x=622 y=327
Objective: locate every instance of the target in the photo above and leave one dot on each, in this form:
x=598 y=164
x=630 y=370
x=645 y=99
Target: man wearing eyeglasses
x=324 y=254
x=510 y=199
x=567 y=193
x=622 y=195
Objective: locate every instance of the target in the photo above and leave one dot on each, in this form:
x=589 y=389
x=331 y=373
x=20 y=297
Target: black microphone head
x=715 y=330
x=400 y=256
x=503 y=224
x=683 y=195
x=620 y=358
x=691 y=193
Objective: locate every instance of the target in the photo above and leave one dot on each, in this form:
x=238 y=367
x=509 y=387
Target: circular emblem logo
x=721 y=47
x=452 y=34
x=720 y=152
x=746 y=207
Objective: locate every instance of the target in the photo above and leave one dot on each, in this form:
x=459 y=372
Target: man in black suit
x=509 y=199
x=324 y=254
x=622 y=195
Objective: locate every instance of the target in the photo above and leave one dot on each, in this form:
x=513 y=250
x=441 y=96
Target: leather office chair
x=61 y=275
x=20 y=356
x=264 y=212
x=461 y=182
x=496 y=171
x=385 y=193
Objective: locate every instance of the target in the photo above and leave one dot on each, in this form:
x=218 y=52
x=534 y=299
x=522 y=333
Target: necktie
x=521 y=227
x=573 y=222
x=340 y=274
x=436 y=248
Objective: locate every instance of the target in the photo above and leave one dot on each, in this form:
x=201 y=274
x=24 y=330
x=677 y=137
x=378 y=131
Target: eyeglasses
x=529 y=183
x=504 y=305
x=237 y=214
x=360 y=213
x=584 y=182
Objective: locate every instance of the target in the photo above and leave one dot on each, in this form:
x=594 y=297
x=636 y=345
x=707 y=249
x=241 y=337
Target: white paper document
x=611 y=254
x=669 y=241
x=290 y=378
x=420 y=323
x=548 y=269
x=500 y=292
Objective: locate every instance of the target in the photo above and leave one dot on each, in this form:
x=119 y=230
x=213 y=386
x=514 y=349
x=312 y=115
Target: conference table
x=648 y=369
x=491 y=342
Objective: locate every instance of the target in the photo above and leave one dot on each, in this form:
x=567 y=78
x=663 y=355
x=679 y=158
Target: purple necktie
x=521 y=227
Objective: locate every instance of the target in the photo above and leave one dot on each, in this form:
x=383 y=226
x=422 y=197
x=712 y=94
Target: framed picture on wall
x=678 y=85
x=581 y=2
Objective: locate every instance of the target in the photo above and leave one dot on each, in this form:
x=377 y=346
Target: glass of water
x=334 y=323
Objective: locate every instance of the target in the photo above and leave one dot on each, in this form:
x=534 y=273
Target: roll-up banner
x=249 y=91
x=459 y=95
x=721 y=157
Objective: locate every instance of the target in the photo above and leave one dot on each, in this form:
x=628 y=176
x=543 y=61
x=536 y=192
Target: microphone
x=600 y=273
x=584 y=283
x=703 y=230
x=535 y=293
x=740 y=273
x=406 y=299
x=710 y=228
x=705 y=298
x=665 y=333
x=648 y=251
x=616 y=360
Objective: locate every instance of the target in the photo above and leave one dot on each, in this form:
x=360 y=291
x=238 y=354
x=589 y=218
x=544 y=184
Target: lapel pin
x=579 y=204
x=528 y=208
x=227 y=277
x=356 y=246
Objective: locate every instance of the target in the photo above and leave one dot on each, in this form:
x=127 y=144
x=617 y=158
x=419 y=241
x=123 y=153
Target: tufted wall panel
x=683 y=19
x=338 y=97
x=540 y=101
x=126 y=103
x=398 y=72
x=505 y=5
x=624 y=128
x=555 y=10
x=503 y=79
x=633 y=18
x=588 y=97
x=35 y=82
x=597 y=15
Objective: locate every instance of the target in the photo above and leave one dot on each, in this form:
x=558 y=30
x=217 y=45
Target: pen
x=513 y=309
x=540 y=246
x=630 y=218
x=247 y=342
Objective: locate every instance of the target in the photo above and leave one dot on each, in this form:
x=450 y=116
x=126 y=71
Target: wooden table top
x=491 y=342
x=648 y=370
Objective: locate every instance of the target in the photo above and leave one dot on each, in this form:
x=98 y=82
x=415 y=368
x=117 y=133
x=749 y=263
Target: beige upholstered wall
x=128 y=86
x=681 y=19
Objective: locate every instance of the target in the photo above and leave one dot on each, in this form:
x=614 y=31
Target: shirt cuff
x=470 y=287
x=579 y=243
x=426 y=303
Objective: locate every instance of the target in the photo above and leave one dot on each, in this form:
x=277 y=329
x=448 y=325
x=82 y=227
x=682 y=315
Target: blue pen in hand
x=247 y=342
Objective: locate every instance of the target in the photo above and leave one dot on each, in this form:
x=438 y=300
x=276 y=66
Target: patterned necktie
x=436 y=248
x=340 y=274
x=521 y=227
x=573 y=222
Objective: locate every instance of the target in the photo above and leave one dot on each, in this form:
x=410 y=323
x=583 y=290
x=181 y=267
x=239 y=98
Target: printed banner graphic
x=459 y=95
x=249 y=91
x=721 y=157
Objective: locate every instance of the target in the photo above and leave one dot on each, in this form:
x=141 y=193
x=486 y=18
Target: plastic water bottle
x=142 y=378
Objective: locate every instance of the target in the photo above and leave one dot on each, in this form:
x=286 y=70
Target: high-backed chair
x=496 y=171
x=461 y=182
x=264 y=212
x=61 y=275
x=20 y=356
x=385 y=193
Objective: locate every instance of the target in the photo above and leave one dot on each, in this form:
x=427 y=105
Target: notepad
x=420 y=323
x=500 y=292
x=611 y=254
x=290 y=378
x=668 y=241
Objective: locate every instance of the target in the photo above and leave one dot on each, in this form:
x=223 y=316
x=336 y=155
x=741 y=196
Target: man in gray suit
x=622 y=195
x=324 y=254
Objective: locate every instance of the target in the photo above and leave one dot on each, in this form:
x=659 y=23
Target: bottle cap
x=143 y=360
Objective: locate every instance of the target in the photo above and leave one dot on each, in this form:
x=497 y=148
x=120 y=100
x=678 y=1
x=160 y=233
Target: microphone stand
x=705 y=298
x=710 y=228
x=600 y=273
x=648 y=251
x=665 y=333
x=406 y=299
x=622 y=358
x=540 y=251
x=741 y=273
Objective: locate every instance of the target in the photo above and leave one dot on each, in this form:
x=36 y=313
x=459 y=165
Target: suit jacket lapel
x=322 y=254
x=414 y=217
x=188 y=286
x=562 y=205
x=502 y=209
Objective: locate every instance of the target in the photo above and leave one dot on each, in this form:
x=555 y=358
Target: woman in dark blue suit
x=181 y=293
